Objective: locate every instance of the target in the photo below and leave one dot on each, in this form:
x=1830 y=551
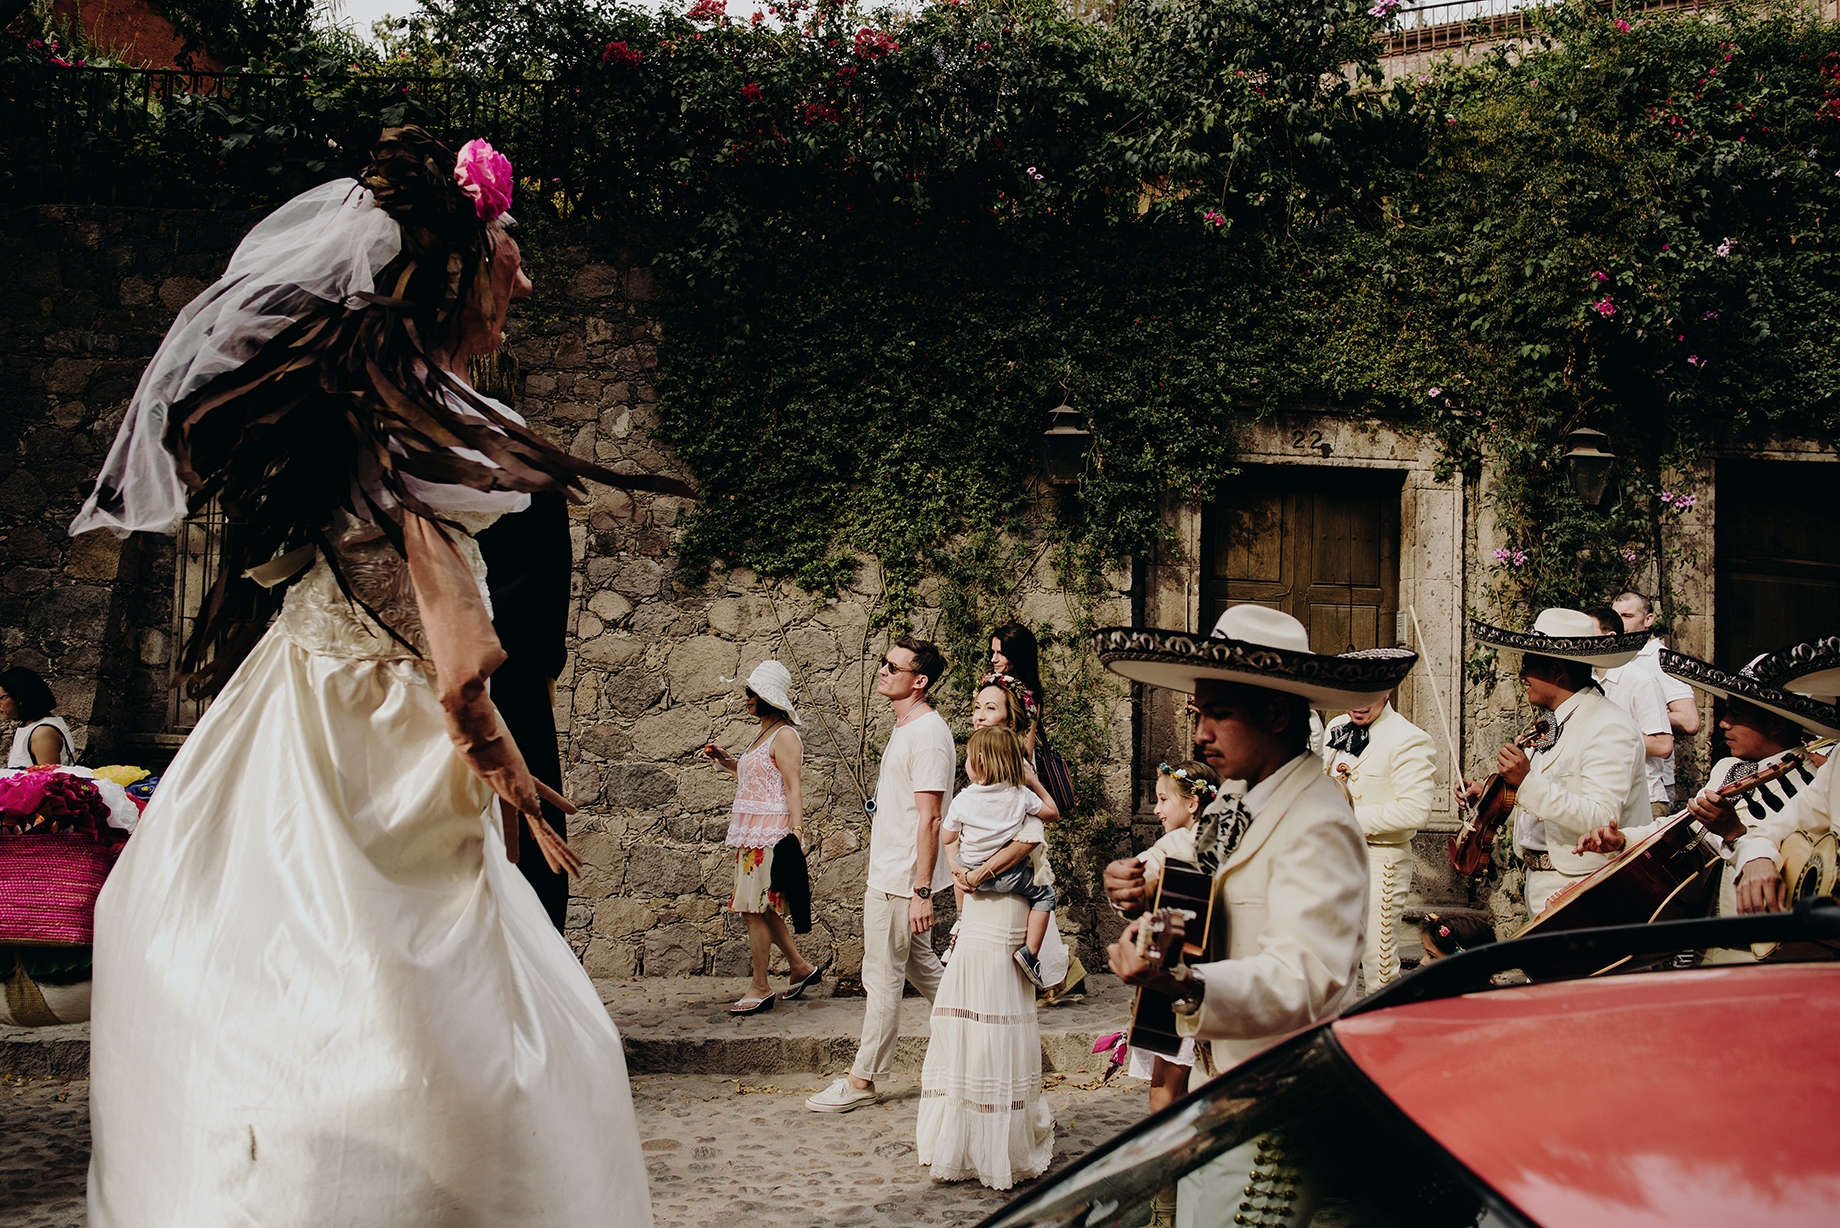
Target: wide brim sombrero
x=1570 y=635
x=1810 y=714
x=1809 y=668
x=1270 y=650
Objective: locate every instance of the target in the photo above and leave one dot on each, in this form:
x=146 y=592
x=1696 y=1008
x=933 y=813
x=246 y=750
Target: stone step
x=681 y=1025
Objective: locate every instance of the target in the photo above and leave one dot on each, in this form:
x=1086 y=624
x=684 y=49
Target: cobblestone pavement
x=722 y=1152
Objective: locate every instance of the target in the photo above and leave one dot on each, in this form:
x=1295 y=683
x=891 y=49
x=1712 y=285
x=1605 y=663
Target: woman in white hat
x=769 y=807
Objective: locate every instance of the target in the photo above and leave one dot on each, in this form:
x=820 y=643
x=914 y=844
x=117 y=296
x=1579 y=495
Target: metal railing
x=1456 y=23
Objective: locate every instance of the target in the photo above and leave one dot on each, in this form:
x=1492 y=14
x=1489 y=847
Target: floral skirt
x=754 y=883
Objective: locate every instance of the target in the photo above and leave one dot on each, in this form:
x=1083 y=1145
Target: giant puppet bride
x=323 y=994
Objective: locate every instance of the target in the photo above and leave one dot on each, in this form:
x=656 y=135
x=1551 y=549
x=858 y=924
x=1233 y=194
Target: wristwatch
x=925 y=893
x=1194 y=988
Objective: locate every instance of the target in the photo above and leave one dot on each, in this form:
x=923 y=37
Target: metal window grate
x=196 y=554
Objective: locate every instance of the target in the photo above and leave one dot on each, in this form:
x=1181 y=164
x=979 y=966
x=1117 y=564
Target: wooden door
x=1778 y=572
x=1321 y=544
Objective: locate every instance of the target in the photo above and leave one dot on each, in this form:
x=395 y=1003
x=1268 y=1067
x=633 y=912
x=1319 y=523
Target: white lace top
x=761 y=816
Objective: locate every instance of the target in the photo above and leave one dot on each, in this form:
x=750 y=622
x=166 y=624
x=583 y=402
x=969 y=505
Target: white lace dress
x=982 y=1112
x=323 y=996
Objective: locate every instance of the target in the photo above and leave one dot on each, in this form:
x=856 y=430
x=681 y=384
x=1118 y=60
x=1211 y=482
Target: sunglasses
x=892 y=668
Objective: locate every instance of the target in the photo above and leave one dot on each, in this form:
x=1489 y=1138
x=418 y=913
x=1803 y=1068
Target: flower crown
x=1197 y=785
x=485 y=175
x=1013 y=684
x=1444 y=932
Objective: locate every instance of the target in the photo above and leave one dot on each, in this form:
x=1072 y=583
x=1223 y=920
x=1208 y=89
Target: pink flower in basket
x=484 y=174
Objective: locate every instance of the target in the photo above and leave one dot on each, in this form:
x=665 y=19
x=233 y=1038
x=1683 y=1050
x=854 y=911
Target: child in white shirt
x=1004 y=803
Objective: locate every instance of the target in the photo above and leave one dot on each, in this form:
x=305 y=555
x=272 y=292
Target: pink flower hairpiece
x=485 y=175
x=1010 y=682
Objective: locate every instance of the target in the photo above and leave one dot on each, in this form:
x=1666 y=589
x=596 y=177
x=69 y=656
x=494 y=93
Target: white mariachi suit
x=1391 y=786
x=1593 y=776
x=1292 y=901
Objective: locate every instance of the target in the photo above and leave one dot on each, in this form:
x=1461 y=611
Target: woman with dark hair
x=323 y=993
x=1451 y=933
x=769 y=810
x=1013 y=651
x=41 y=737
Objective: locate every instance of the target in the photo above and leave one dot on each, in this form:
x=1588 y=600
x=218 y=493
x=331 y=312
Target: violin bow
x=1456 y=761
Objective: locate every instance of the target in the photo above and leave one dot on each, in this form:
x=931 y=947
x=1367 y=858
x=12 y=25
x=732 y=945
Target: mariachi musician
x=1761 y=724
x=1812 y=671
x=1590 y=774
x=1387 y=764
x=1287 y=858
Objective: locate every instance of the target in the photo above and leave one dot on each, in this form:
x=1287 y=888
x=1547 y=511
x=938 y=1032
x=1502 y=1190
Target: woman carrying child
x=1003 y=801
x=982 y=1113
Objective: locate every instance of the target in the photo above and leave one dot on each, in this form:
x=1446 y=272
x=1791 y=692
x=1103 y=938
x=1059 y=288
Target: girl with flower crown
x=323 y=993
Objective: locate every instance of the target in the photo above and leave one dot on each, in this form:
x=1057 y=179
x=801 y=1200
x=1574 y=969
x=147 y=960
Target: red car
x=1709 y=1096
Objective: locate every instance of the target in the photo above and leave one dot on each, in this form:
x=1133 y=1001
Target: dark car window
x=1297 y=1135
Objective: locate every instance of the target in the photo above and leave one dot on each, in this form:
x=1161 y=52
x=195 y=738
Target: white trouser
x=1389 y=879
x=892 y=953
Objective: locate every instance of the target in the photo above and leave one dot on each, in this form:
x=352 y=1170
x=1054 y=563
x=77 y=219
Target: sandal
x=792 y=991
x=752 y=1006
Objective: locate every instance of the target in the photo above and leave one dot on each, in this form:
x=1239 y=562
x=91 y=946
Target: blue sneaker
x=1031 y=967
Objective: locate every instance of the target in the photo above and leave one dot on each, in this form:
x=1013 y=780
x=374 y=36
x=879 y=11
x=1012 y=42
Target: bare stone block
x=641 y=286
x=733 y=958
x=68 y=377
x=94 y=556
x=697 y=907
x=698 y=666
x=176 y=292
x=638 y=786
x=609 y=649
x=741 y=617
x=136 y=292
x=595 y=281
x=671 y=734
x=632 y=691
x=609 y=606
x=606 y=960
x=674 y=950
x=663 y=871
x=620 y=916
x=607 y=741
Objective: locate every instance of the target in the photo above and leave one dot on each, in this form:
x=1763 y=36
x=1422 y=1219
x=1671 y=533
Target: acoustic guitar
x=1811 y=868
x=1185 y=893
x=1669 y=874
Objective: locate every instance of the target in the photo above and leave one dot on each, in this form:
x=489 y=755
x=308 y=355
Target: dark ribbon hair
x=354 y=389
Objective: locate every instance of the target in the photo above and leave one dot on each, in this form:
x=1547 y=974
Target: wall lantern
x=1064 y=446
x=1588 y=461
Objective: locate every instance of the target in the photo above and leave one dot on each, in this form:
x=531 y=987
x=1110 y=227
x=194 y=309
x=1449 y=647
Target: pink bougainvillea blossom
x=874 y=44
x=620 y=53
x=1436 y=392
x=751 y=92
x=1724 y=249
x=485 y=175
x=1214 y=219
x=819 y=113
x=1384 y=9
x=708 y=10
x=1600 y=275
x=1620 y=24
x=1605 y=307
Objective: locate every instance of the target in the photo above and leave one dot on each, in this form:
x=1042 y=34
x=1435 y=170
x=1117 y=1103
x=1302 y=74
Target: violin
x=1469 y=848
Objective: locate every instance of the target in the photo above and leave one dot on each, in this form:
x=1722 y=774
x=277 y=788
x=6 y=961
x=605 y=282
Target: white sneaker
x=840 y=1097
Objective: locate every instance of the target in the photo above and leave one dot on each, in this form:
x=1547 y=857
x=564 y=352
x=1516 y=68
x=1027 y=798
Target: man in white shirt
x=1591 y=774
x=1638 y=614
x=1631 y=688
x=1386 y=763
x=905 y=867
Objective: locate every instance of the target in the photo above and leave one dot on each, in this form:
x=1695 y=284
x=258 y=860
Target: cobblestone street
x=721 y=1152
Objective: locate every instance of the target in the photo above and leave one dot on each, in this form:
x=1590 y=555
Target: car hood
x=1702 y=1097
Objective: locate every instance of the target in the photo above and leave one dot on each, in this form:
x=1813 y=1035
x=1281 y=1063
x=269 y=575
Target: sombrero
x=1811 y=714
x=1256 y=646
x=1811 y=668
x=1570 y=635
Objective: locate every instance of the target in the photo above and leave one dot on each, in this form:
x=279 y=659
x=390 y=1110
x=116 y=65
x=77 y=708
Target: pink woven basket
x=48 y=887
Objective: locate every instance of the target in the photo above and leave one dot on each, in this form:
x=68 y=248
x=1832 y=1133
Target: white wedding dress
x=982 y=1112
x=323 y=996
